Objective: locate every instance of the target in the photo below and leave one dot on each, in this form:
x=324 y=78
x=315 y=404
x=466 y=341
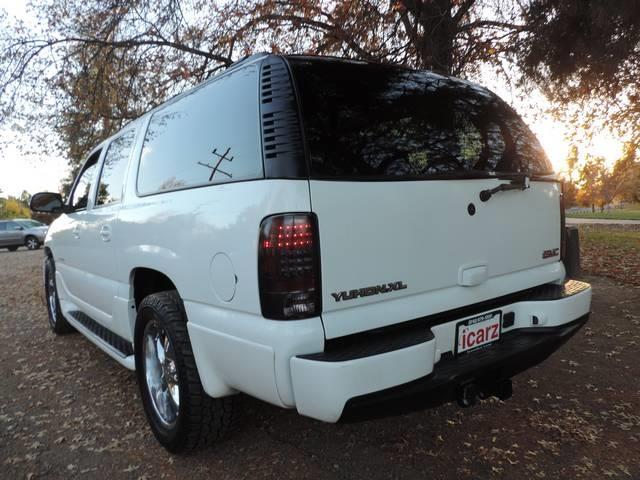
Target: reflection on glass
x=113 y=169
x=80 y=195
x=374 y=120
x=219 y=117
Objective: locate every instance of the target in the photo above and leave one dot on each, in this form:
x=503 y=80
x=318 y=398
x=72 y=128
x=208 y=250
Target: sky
x=30 y=172
x=35 y=173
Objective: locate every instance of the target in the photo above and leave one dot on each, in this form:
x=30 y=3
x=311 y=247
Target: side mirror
x=20 y=227
x=47 y=202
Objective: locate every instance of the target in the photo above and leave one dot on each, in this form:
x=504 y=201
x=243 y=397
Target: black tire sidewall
x=59 y=325
x=49 y=266
x=171 y=437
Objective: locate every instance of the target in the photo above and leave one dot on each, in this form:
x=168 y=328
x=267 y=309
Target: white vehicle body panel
x=428 y=246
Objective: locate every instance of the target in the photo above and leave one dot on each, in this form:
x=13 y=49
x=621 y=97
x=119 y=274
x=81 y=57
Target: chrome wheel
x=31 y=243
x=51 y=294
x=161 y=373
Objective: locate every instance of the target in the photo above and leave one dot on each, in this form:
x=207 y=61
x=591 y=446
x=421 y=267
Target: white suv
x=327 y=235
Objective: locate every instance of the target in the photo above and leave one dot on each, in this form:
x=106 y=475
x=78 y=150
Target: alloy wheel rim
x=31 y=244
x=161 y=373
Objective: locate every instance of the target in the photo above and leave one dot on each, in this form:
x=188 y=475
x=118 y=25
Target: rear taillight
x=289 y=266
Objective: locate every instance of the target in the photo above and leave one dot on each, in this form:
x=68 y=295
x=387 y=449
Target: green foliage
x=13 y=208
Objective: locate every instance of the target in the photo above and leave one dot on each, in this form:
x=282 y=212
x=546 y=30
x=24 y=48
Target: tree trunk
x=434 y=34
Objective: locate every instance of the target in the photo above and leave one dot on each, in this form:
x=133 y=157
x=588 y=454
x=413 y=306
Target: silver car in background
x=22 y=232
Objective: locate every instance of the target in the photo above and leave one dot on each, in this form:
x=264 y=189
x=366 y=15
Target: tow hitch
x=468 y=393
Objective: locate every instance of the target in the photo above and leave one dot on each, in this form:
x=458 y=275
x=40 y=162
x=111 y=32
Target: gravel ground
x=67 y=410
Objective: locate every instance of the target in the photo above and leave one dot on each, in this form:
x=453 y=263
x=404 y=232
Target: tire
x=12 y=249
x=32 y=243
x=57 y=322
x=186 y=418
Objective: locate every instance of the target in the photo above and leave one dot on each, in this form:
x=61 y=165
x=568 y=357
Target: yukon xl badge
x=368 y=291
x=554 y=252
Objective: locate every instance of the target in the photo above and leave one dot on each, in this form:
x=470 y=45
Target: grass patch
x=610 y=238
x=630 y=212
x=611 y=251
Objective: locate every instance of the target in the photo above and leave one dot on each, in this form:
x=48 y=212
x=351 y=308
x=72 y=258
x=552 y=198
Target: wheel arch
x=144 y=281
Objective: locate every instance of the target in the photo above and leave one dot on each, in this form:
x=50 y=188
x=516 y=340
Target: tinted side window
x=210 y=136
x=80 y=194
x=3 y=226
x=13 y=226
x=113 y=169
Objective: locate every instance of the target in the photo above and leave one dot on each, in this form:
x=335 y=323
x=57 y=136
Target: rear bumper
x=517 y=352
x=354 y=376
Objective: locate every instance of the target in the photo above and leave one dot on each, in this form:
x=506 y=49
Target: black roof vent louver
x=282 y=147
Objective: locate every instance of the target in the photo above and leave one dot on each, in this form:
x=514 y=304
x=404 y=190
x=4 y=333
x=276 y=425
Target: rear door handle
x=76 y=231
x=105 y=233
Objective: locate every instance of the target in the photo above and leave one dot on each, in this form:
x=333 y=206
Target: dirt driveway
x=67 y=410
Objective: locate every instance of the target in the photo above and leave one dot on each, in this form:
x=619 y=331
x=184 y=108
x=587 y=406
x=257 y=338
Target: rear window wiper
x=518 y=183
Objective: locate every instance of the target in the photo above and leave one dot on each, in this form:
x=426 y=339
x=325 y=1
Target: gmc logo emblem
x=554 y=252
x=368 y=291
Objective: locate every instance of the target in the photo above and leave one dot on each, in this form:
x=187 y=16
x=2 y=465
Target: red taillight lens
x=289 y=266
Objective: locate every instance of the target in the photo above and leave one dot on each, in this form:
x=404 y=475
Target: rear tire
x=181 y=415
x=32 y=243
x=57 y=322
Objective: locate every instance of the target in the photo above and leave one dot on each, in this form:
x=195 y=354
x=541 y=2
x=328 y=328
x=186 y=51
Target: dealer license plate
x=477 y=332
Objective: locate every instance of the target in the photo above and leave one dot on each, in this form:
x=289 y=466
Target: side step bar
x=122 y=346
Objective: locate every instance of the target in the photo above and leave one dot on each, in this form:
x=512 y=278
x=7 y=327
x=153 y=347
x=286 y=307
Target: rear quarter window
x=210 y=136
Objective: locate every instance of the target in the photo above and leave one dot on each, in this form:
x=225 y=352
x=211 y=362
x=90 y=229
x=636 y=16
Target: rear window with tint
x=364 y=120
x=207 y=137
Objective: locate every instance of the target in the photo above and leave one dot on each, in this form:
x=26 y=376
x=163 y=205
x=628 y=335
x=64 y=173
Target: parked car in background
x=321 y=234
x=22 y=232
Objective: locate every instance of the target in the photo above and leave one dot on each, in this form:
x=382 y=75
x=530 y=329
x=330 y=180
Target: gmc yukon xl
x=340 y=237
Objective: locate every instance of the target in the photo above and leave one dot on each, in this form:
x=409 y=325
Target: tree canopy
x=86 y=67
x=13 y=208
x=585 y=56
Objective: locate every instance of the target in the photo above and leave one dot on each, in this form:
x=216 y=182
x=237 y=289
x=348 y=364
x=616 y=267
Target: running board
x=115 y=341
